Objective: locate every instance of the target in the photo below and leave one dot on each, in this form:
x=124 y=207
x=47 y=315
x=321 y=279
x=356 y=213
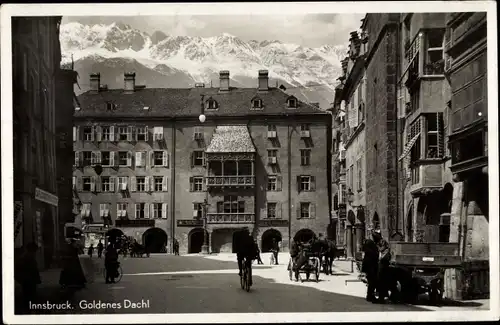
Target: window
x=198 y=134
x=121 y=210
x=272 y=183
x=160 y=158
x=359 y=168
x=435 y=141
x=107 y=184
x=106 y=133
x=158 y=133
x=88 y=133
x=304 y=210
x=196 y=184
x=434 y=64
x=122 y=183
x=256 y=103
x=140 y=159
x=141 y=184
x=271 y=128
x=124 y=133
x=107 y=158
x=86 y=212
x=158 y=183
x=158 y=211
x=231 y=205
x=271 y=210
x=304 y=127
x=197 y=210
x=292 y=103
x=351 y=177
x=306 y=183
x=305 y=157
x=141 y=133
x=87 y=184
x=110 y=106
x=124 y=158
x=105 y=210
x=211 y=104
x=140 y=210
x=198 y=158
x=87 y=158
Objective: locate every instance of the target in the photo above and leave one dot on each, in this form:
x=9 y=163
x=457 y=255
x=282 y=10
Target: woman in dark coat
x=72 y=272
x=370 y=267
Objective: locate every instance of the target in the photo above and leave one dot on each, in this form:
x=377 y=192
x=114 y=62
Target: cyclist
x=245 y=248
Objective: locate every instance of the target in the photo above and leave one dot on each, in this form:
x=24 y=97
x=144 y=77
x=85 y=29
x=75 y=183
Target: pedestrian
x=100 y=248
x=111 y=263
x=91 y=250
x=383 y=265
x=370 y=267
x=176 y=246
x=275 y=251
x=27 y=274
x=72 y=272
x=259 y=260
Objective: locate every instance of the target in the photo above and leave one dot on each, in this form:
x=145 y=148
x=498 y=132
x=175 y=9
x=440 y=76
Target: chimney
x=263 y=80
x=129 y=81
x=199 y=85
x=95 y=82
x=224 y=80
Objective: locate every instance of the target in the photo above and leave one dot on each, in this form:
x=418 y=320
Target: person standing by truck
x=383 y=265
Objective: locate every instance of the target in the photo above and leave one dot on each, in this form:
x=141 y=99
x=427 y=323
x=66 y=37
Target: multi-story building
x=424 y=94
x=466 y=67
x=352 y=99
x=36 y=60
x=147 y=167
x=381 y=138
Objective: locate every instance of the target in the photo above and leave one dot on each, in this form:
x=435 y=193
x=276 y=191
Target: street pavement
x=201 y=284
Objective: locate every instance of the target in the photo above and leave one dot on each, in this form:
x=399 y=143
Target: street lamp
x=204 y=247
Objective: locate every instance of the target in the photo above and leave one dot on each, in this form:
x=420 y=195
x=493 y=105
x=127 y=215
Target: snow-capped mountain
x=161 y=60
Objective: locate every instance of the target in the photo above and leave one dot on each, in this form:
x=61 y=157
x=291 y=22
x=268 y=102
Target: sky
x=311 y=30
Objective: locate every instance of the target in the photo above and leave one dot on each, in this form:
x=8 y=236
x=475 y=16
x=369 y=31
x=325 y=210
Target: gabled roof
x=183 y=102
x=231 y=138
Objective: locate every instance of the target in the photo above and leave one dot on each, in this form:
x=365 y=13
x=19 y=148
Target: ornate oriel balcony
x=221 y=181
x=214 y=218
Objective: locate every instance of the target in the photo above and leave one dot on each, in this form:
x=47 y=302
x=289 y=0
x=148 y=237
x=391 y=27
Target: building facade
x=36 y=59
x=147 y=167
x=351 y=96
x=381 y=63
x=466 y=68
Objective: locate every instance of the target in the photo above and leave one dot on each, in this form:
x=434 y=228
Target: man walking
x=383 y=265
x=100 y=248
x=370 y=267
x=275 y=251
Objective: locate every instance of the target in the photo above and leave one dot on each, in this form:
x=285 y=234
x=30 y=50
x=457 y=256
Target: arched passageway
x=196 y=238
x=113 y=235
x=155 y=240
x=304 y=235
x=267 y=239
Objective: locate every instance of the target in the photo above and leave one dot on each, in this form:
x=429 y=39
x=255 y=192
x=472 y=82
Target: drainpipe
x=398 y=126
x=289 y=187
x=172 y=191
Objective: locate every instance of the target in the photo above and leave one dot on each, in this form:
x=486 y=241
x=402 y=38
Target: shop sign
x=46 y=197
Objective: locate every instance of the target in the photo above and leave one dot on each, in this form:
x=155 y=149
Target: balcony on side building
x=231 y=173
x=426 y=175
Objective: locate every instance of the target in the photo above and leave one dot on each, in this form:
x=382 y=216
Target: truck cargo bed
x=425 y=254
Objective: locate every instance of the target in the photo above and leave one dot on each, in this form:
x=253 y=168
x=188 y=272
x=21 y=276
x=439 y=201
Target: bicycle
x=245 y=277
x=120 y=273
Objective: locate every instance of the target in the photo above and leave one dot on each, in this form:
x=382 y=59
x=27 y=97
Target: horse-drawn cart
x=312 y=264
x=418 y=268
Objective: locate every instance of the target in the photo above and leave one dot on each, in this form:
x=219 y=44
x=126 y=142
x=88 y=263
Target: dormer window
x=110 y=106
x=292 y=102
x=256 y=103
x=211 y=104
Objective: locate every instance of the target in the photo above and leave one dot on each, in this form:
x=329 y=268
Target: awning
x=231 y=138
x=409 y=146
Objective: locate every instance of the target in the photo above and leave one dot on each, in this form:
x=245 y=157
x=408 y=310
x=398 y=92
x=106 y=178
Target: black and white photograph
x=249 y=162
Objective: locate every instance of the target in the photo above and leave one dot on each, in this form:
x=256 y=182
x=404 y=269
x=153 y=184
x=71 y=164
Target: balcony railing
x=135 y=223
x=230 y=217
x=220 y=181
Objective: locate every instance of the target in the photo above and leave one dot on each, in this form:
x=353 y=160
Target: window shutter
x=146 y=211
x=147 y=133
x=313 y=183
x=77 y=158
x=93 y=158
x=137 y=205
x=138 y=159
x=312 y=210
x=112 y=158
x=164 y=186
x=75 y=134
x=191 y=184
x=440 y=135
x=92 y=184
x=99 y=133
x=129 y=133
x=98 y=184
x=298 y=184
x=279 y=183
x=129 y=159
x=278 y=210
x=298 y=211
x=165 y=158
x=92 y=135
x=79 y=184
x=204 y=183
x=133 y=184
x=204 y=159
x=192 y=159
x=112 y=133
x=112 y=181
x=164 y=208
x=98 y=157
x=263 y=212
x=152 y=159
x=146 y=184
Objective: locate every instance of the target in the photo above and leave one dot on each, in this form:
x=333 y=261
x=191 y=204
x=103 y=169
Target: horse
x=329 y=253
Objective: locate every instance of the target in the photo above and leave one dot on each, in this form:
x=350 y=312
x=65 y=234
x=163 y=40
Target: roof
x=184 y=102
x=231 y=138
